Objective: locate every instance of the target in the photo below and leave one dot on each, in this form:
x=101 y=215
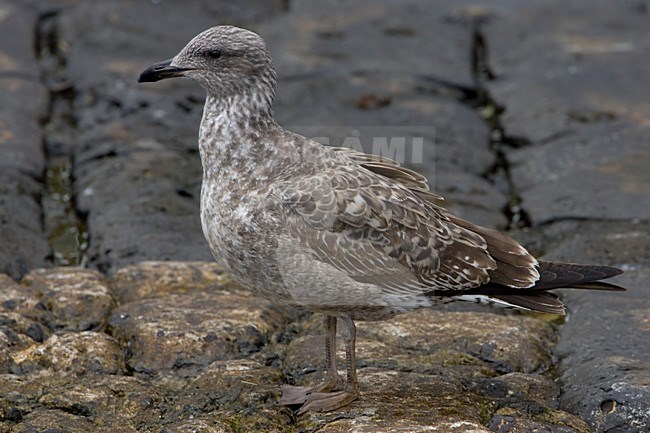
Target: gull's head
x=224 y=60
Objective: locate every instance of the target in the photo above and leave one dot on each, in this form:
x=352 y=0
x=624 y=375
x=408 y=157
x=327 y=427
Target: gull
x=332 y=230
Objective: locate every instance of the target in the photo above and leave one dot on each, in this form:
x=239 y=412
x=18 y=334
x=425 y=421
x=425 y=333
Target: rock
x=369 y=36
x=73 y=354
x=136 y=168
x=534 y=387
x=16 y=333
x=77 y=299
x=123 y=403
x=362 y=425
x=54 y=421
x=23 y=105
x=429 y=370
x=18 y=329
x=578 y=62
x=406 y=401
x=178 y=333
x=509 y=422
x=198 y=426
x=602 y=345
x=218 y=368
x=597 y=174
x=14 y=297
x=238 y=394
x=156 y=279
x=513 y=343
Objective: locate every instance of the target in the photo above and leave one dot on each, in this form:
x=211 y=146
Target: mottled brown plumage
x=330 y=230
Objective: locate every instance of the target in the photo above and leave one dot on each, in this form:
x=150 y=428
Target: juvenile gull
x=332 y=230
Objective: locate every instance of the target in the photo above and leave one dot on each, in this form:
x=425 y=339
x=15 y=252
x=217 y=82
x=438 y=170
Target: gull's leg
x=332 y=381
x=350 y=337
x=327 y=401
x=299 y=394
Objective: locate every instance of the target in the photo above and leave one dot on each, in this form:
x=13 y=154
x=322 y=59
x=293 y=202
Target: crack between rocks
x=64 y=226
x=499 y=174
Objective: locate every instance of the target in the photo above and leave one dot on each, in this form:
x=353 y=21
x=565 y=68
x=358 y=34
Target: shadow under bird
x=332 y=230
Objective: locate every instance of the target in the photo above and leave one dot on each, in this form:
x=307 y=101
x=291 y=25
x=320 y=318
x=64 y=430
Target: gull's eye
x=214 y=54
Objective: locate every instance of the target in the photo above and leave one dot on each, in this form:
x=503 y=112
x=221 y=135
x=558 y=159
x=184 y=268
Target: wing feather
x=378 y=223
x=381 y=232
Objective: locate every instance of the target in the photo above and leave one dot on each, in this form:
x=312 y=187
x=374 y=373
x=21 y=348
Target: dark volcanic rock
x=559 y=66
x=23 y=105
x=136 y=165
x=603 y=345
x=376 y=37
x=599 y=173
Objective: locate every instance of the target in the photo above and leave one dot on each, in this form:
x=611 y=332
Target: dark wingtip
x=555 y=275
x=600 y=285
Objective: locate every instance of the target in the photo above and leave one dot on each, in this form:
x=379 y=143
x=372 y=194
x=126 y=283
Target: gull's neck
x=236 y=133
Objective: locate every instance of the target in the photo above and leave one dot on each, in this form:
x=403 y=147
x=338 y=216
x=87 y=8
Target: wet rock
x=156 y=279
x=210 y=356
x=368 y=36
x=136 y=163
x=14 y=297
x=578 y=62
x=177 y=332
x=24 y=103
x=430 y=370
x=74 y=354
x=16 y=333
x=110 y=402
x=406 y=401
x=198 y=426
x=509 y=422
x=54 y=421
x=18 y=328
x=603 y=347
x=239 y=394
x=533 y=387
x=513 y=343
x=599 y=173
x=362 y=425
x=77 y=299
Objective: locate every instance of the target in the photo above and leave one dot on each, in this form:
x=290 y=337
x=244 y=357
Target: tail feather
x=553 y=275
x=599 y=285
x=543 y=302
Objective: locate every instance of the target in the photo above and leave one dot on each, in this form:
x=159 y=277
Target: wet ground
x=532 y=117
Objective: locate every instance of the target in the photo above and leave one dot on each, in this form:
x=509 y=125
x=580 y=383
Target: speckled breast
x=240 y=231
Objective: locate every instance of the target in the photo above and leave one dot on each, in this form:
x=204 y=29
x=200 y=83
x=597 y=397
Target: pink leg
x=332 y=394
